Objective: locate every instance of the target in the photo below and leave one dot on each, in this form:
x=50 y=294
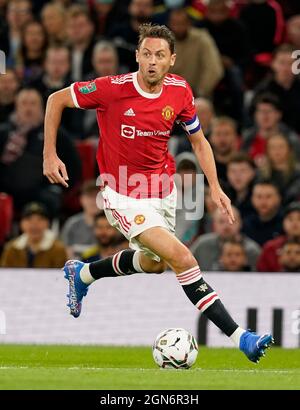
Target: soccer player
x=136 y=113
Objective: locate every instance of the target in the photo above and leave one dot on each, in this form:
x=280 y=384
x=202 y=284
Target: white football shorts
x=134 y=216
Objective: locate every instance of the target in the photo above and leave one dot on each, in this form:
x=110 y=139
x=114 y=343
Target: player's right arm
x=53 y=168
x=95 y=94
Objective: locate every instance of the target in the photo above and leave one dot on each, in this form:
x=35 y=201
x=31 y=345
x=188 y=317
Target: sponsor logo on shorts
x=139 y=219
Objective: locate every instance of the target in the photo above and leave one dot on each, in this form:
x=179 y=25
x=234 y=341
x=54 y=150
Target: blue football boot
x=77 y=288
x=254 y=346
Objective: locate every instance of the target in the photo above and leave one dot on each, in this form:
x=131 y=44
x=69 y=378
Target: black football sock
x=125 y=262
x=206 y=300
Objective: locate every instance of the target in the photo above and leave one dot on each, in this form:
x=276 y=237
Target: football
x=175 y=349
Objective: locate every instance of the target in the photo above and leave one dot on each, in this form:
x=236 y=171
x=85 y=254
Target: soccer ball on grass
x=175 y=349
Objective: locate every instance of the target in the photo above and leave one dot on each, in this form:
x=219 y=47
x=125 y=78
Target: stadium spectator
x=233 y=257
x=225 y=142
x=77 y=233
x=105 y=60
x=109 y=240
x=19 y=12
x=293 y=31
x=197 y=57
x=265 y=23
x=53 y=18
x=231 y=38
x=268 y=121
x=206 y=222
x=289 y=258
x=269 y=258
x=125 y=34
x=9 y=85
x=189 y=211
x=241 y=172
x=207 y=248
x=108 y=14
x=21 y=155
x=80 y=34
x=206 y=113
x=32 y=52
x=285 y=85
x=266 y=222
x=56 y=71
x=56 y=75
x=229 y=33
x=281 y=167
x=37 y=246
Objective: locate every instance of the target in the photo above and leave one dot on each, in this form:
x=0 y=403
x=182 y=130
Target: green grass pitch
x=108 y=368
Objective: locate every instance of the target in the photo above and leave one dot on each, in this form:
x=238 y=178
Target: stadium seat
x=6 y=216
x=87 y=153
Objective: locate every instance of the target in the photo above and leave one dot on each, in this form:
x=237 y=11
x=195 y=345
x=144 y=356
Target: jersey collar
x=142 y=92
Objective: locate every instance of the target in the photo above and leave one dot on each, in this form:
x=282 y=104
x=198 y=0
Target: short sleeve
x=92 y=94
x=188 y=118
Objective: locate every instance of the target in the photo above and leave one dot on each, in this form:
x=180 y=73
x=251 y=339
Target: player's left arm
x=205 y=156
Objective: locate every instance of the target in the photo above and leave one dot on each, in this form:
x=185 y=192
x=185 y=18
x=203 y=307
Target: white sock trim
x=236 y=336
x=189 y=276
x=136 y=262
x=207 y=301
x=85 y=274
x=115 y=263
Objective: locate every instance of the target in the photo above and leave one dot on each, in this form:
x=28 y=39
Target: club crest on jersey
x=139 y=219
x=89 y=88
x=167 y=112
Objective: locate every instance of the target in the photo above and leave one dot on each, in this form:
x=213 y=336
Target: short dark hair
x=291 y=241
x=89 y=186
x=292 y=207
x=234 y=241
x=157 y=31
x=77 y=10
x=267 y=181
x=34 y=208
x=268 y=98
x=241 y=157
x=186 y=164
x=224 y=119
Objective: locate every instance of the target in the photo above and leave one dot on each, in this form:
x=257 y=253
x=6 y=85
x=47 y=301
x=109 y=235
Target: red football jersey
x=135 y=127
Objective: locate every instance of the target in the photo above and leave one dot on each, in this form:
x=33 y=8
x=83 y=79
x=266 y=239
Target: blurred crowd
x=240 y=58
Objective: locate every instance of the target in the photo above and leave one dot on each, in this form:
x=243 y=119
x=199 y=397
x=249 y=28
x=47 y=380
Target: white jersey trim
x=74 y=98
x=142 y=92
x=123 y=79
x=173 y=81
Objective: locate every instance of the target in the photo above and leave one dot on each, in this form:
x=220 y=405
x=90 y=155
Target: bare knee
x=151 y=266
x=158 y=267
x=182 y=261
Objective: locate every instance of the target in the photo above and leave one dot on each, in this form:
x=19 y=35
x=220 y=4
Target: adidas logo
x=129 y=113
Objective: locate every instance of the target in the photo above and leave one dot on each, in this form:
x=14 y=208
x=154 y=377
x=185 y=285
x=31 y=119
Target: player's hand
x=55 y=170
x=223 y=203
